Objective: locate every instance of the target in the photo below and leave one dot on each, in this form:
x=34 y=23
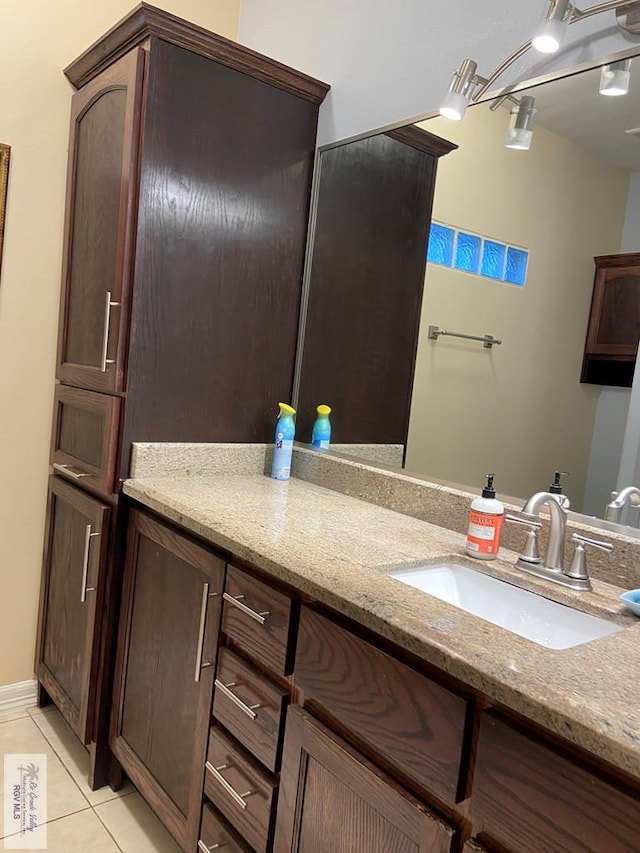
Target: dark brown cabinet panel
x=368 y=261
x=526 y=796
x=399 y=714
x=215 y=834
x=332 y=799
x=258 y=618
x=250 y=706
x=164 y=676
x=74 y=553
x=614 y=321
x=241 y=789
x=85 y=437
x=224 y=193
x=100 y=218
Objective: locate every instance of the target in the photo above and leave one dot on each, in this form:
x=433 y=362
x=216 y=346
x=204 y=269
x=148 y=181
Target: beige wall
x=518 y=409
x=37 y=39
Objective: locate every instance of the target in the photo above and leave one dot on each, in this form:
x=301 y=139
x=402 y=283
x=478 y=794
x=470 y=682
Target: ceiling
x=572 y=107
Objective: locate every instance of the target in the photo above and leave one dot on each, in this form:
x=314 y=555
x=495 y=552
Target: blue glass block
x=517 y=260
x=468 y=252
x=493 y=259
x=440 y=249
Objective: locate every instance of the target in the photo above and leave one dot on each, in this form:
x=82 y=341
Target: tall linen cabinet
x=190 y=162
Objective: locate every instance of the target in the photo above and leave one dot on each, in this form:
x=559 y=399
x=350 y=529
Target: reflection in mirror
x=511 y=255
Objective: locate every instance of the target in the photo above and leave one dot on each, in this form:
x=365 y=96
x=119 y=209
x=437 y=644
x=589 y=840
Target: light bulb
x=615 y=77
x=454 y=106
x=455 y=102
x=552 y=29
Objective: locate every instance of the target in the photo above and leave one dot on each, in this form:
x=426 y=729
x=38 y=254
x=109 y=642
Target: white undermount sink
x=525 y=613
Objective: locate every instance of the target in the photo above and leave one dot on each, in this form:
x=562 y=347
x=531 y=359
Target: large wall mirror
x=511 y=255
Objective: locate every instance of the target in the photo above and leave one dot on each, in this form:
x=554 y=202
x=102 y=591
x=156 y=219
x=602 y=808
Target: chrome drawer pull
x=237 y=601
x=203 y=847
x=249 y=710
x=217 y=775
x=104 y=361
x=66 y=469
x=88 y=536
x=206 y=595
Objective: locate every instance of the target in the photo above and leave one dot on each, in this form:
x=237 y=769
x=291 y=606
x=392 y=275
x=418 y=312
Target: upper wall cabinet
x=99 y=220
x=614 y=322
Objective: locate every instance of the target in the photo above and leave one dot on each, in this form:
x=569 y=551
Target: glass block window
x=516 y=271
x=441 y=239
x=468 y=249
x=477 y=255
x=493 y=259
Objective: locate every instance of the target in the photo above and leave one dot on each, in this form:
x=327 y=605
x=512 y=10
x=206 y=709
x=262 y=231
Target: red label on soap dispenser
x=484 y=532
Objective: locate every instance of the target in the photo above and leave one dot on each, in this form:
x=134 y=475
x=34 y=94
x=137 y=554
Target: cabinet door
x=167 y=645
x=331 y=798
x=85 y=437
x=99 y=224
x=614 y=324
x=72 y=579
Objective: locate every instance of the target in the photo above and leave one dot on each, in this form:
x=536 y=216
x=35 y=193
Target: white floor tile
x=74 y=756
x=135 y=827
x=63 y=795
x=82 y=832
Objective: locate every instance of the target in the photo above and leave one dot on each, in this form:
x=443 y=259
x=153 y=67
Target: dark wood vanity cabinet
x=322 y=736
x=188 y=189
x=613 y=332
x=165 y=666
x=71 y=595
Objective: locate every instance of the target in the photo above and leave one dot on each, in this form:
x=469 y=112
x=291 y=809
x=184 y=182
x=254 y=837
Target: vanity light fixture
x=467 y=86
x=523 y=116
x=552 y=29
x=614 y=78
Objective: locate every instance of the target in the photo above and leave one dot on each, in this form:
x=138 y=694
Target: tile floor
x=80 y=820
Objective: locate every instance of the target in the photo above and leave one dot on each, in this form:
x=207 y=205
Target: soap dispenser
x=485 y=524
x=555 y=488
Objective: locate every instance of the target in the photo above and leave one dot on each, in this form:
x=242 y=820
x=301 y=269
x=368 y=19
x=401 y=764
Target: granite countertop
x=337 y=549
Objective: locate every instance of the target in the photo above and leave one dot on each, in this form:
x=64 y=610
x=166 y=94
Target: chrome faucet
x=554 y=558
x=630 y=496
x=576 y=577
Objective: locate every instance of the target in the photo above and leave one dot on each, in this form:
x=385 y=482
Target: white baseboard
x=16 y=697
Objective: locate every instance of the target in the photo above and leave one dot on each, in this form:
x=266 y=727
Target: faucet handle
x=531 y=552
x=578 y=568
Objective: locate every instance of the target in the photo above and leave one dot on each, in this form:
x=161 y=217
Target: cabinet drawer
x=527 y=796
x=85 y=437
x=214 y=831
x=240 y=789
x=250 y=706
x=258 y=619
x=401 y=715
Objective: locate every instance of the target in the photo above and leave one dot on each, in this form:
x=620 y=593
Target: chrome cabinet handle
x=217 y=775
x=249 y=710
x=88 y=536
x=105 y=332
x=206 y=595
x=203 y=847
x=237 y=601
x=66 y=469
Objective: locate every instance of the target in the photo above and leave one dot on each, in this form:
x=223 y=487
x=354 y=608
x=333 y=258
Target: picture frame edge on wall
x=5 y=156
